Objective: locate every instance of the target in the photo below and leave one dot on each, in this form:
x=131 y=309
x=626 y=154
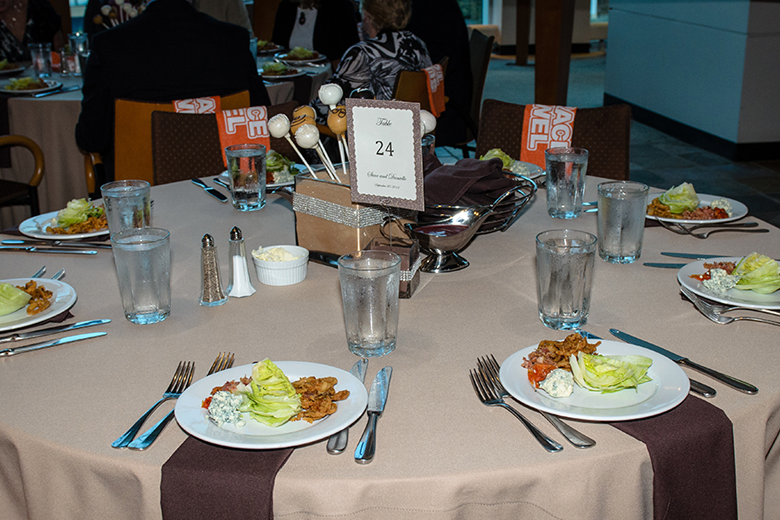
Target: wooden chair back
x=185 y=146
x=604 y=131
x=412 y=86
x=13 y=193
x=133 y=134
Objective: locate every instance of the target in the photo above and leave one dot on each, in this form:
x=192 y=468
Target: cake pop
x=305 y=119
x=331 y=94
x=428 y=122
x=337 y=122
x=307 y=136
x=304 y=110
x=279 y=127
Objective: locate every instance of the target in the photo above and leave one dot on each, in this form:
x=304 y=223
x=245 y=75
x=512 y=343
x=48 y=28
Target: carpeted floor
x=656 y=158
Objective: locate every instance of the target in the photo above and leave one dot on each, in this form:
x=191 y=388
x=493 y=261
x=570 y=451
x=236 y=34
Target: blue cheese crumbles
x=723 y=204
x=558 y=383
x=720 y=281
x=224 y=409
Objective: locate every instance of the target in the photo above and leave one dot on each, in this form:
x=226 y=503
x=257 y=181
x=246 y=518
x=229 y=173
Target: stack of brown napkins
x=202 y=481
x=692 y=451
x=467 y=182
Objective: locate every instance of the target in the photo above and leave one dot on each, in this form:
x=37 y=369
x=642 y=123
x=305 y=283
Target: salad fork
x=710 y=312
x=719 y=228
x=174 y=390
x=223 y=361
x=490 y=368
x=488 y=397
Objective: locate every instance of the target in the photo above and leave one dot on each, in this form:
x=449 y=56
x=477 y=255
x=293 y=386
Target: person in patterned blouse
x=385 y=51
x=23 y=22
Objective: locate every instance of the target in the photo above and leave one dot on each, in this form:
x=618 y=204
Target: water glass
x=127 y=205
x=143 y=267
x=564 y=276
x=246 y=169
x=78 y=43
x=40 y=53
x=566 y=168
x=369 y=294
x=621 y=220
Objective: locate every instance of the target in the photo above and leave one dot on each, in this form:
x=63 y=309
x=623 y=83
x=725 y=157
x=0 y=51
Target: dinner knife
x=211 y=191
x=733 y=382
x=664 y=265
x=696 y=387
x=338 y=441
x=692 y=256
x=59 y=243
x=47 y=344
x=52 y=330
x=58 y=91
x=37 y=249
x=377 y=397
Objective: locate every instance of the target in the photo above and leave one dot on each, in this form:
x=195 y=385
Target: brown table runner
x=203 y=481
x=692 y=451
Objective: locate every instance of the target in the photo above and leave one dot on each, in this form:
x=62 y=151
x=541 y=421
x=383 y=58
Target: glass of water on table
x=246 y=170
x=566 y=169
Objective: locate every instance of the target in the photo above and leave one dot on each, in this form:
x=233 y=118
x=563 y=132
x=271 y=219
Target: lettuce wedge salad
x=757 y=273
x=680 y=198
x=12 y=298
x=608 y=374
x=270 y=398
x=76 y=212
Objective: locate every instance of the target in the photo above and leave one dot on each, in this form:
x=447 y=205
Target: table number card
x=385 y=157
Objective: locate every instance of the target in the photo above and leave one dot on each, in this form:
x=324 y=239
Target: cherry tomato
x=538 y=373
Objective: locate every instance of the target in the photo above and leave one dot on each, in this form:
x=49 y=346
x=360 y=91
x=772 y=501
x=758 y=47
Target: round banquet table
x=441 y=453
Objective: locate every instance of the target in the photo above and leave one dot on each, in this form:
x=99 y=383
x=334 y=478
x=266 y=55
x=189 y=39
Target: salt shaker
x=211 y=293
x=240 y=284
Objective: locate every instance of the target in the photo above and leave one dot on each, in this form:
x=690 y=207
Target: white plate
x=668 y=388
x=12 y=72
x=63 y=298
x=280 y=77
x=534 y=170
x=35 y=227
x=51 y=85
x=255 y=436
x=282 y=56
x=738 y=210
x=749 y=299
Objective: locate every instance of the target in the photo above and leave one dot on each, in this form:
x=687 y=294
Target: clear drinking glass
x=621 y=220
x=369 y=293
x=246 y=169
x=564 y=276
x=143 y=267
x=78 y=43
x=127 y=205
x=40 y=53
x=566 y=169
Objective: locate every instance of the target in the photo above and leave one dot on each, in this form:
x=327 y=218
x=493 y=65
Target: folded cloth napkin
x=692 y=451
x=467 y=182
x=201 y=480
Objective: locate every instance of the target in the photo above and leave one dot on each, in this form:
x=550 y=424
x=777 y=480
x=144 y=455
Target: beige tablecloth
x=51 y=122
x=441 y=454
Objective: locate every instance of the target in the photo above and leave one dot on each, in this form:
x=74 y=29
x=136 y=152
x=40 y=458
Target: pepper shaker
x=211 y=293
x=240 y=284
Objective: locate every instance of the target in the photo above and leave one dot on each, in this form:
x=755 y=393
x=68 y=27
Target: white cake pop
x=279 y=126
x=307 y=136
x=428 y=122
x=331 y=94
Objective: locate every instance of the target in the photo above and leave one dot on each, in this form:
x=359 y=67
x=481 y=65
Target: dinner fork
x=490 y=368
x=223 y=361
x=707 y=309
x=722 y=228
x=488 y=397
x=174 y=390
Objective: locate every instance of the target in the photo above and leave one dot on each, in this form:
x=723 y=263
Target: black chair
x=481 y=47
x=13 y=193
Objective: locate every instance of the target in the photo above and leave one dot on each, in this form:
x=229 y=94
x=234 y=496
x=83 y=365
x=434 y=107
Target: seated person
x=230 y=11
x=26 y=22
x=386 y=50
x=448 y=37
x=169 y=52
x=326 y=26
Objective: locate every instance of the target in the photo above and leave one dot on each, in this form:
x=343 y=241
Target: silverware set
x=717 y=228
x=715 y=312
x=71 y=247
x=337 y=442
x=181 y=380
x=487 y=385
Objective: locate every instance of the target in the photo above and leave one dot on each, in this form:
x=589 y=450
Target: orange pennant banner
x=435 y=75
x=242 y=126
x=545 y=126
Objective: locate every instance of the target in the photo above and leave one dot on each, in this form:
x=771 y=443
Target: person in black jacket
x=334 y=28
x=169 y=52
x=440 y=24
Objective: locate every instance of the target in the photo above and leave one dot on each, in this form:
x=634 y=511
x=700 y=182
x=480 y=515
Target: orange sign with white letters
x=242 y=126
x=435 y=75
x=545 y=126
x=204 y=105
